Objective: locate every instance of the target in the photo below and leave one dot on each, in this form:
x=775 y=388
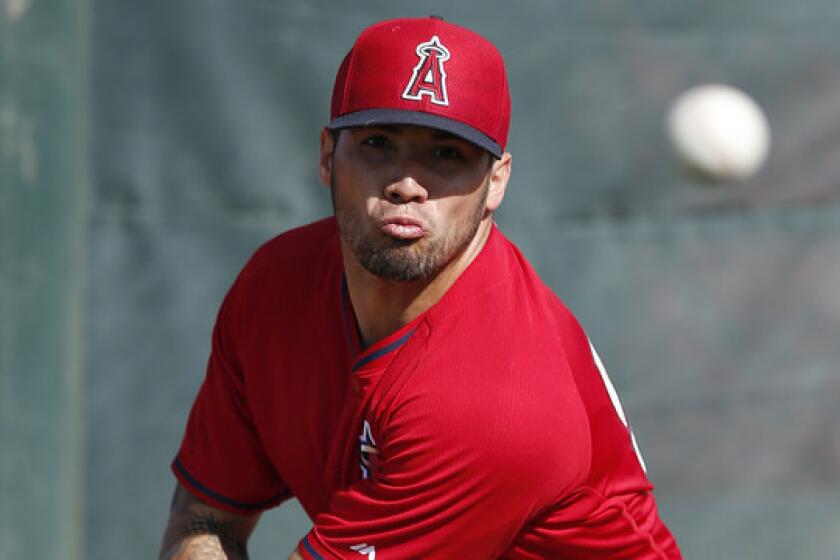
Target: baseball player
x=399 y=368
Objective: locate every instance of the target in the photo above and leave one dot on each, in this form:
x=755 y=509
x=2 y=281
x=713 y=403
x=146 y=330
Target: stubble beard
x=406 y=260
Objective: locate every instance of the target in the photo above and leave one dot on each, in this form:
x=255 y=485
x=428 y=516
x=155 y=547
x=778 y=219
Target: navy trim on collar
x=345 y=304
x=384 y=350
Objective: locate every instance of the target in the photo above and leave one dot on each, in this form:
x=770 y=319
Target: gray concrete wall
x=44 y=202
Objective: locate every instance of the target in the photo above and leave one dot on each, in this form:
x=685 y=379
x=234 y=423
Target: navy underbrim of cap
x=373 y=117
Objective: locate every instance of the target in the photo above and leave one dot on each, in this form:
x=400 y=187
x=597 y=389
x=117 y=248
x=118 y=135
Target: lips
x=402 y=227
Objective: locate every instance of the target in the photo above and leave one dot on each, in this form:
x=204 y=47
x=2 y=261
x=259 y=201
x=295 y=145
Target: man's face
x=407 y=199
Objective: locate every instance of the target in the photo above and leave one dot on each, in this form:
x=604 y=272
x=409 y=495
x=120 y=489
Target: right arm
x=197 y=531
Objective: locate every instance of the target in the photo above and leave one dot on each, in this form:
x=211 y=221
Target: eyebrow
x=443 y=135
x=398 y=129
x=392 y=128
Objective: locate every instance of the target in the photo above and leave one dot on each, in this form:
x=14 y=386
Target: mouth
x=402 y=227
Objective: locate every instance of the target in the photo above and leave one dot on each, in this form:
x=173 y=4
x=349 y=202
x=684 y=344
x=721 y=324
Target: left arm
x=197 y=531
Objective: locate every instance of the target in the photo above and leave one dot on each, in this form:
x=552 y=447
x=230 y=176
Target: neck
x=384 y=306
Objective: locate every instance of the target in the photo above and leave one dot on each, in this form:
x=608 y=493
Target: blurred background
x=147 y=148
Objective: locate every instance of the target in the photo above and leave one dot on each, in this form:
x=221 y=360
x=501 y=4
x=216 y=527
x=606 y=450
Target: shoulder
x=287 y=275
x=318 y=239
x=294 y=256
x=500 y=294
x=504 y=326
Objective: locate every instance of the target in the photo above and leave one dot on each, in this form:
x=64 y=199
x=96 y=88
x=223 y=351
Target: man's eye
x=448 y=152
x=376 y=141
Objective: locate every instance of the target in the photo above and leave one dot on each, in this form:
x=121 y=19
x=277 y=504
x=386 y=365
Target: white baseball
x=719 y=131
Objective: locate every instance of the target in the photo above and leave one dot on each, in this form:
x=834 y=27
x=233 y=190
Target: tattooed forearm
x=198 y=531
x=202 y=547
x=207 y=539
x=206 y=525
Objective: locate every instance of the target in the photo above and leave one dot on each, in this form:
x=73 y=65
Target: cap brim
x=372 y=117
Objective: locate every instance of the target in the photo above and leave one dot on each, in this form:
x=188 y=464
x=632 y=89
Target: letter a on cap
x=429 y=77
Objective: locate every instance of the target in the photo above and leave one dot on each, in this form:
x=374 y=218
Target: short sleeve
x=221 y=459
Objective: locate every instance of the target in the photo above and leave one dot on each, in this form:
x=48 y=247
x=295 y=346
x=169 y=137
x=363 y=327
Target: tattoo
x=206 y=547
x=208 y=525
x=206 y=538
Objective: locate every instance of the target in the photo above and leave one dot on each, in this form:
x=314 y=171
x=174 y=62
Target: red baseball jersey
x=486 y=428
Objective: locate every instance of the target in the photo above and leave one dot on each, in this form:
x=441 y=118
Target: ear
x=498 y=180
x=325 y=162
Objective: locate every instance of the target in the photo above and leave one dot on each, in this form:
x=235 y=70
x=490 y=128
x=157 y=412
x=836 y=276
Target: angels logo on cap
x=429 y=77
x=424 y=72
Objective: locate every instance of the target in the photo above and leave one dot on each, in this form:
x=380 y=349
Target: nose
x=406 y=190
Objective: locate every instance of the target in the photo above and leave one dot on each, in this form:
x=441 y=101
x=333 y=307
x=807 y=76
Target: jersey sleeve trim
x=185 y=477
x=308 y=551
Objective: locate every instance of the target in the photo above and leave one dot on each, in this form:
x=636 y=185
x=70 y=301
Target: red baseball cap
x=426 y=72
